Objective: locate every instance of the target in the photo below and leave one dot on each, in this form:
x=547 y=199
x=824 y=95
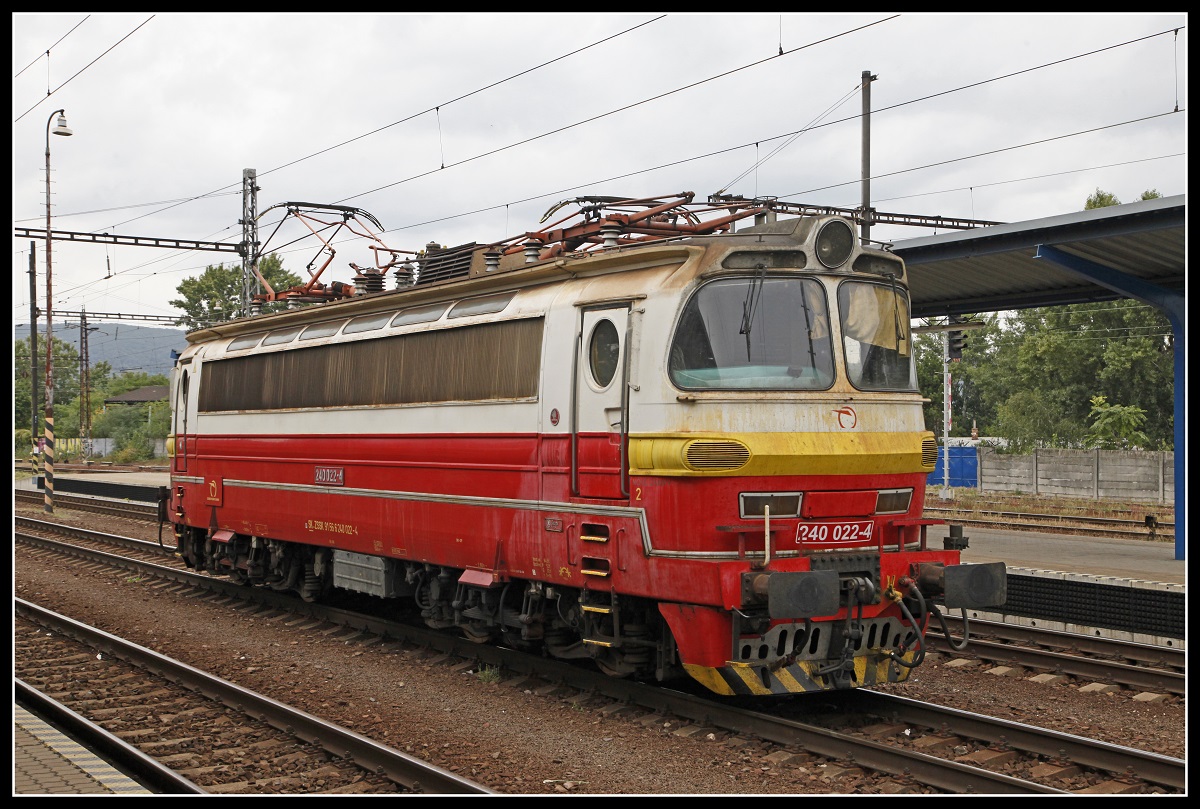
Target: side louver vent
x=716 y=455
x=929 y=453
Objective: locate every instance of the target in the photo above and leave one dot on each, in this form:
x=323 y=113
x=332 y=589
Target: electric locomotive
x=641 y=436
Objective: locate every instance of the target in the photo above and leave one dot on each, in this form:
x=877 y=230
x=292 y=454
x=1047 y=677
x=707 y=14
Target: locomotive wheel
x=611 y=662
x=478 y=632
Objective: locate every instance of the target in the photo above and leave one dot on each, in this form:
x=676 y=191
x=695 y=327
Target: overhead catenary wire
x=82 y=69
x=624 y=108
x=47 y=53
x=989 y=152
x=1032 y=177
x=791 y=135
x=526 y=140
x=788 y=142
x=507 y=205
x=411 y=116
x=786 y=135
x=644 y=101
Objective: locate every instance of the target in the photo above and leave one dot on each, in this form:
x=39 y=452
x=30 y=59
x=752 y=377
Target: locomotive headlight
x=835 y=242
x=753 y=505
x=893 y=501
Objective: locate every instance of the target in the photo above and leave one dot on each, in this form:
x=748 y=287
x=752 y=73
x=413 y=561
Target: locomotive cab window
x=754 y=333
x=604 y=352
x=876 y=337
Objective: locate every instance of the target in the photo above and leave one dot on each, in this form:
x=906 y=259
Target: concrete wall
x=1107 y=474
x=72 y=447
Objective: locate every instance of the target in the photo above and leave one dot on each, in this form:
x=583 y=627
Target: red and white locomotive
x=641 y=437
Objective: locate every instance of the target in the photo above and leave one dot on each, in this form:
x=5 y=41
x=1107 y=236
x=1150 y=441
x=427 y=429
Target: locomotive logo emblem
x=554 y=417
x=214 y=492
x=847 y=418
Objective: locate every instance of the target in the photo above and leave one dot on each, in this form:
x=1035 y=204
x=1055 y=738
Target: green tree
x=928 y=350
x=216 y=294
x=1115 y=426
x=1029 y=376
x=1031 y=380
x=1033 y=418
x=127 y=425
x=65 y=368
x=22 y=443
x=1101 y=199
x=969 y=400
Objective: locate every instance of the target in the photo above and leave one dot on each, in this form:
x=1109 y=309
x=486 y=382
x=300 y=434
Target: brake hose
x=946 y=630
x=920 y=655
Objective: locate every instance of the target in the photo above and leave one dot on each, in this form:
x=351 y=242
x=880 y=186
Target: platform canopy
x=998 y=268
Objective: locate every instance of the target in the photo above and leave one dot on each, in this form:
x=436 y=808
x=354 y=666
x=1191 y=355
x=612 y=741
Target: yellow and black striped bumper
x=746 y=679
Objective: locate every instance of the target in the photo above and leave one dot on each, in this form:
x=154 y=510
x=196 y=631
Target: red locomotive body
x=678 y=450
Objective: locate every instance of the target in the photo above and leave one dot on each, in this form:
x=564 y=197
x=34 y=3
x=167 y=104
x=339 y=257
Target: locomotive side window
x=282 y=336
x=367 y=323
x=481 y=306
x=604 y=352
x=754 y=333
x=419 y=314
x=876 y=338
x=483 y=362
x=321 y=330
x=247 y=341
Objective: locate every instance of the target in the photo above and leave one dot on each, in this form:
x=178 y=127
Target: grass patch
x=489 y=674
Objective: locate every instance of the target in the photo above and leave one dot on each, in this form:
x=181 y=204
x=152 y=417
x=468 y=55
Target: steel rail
x=401 y=768
x=1113 y=758
x=930 y=770
x=150 y=772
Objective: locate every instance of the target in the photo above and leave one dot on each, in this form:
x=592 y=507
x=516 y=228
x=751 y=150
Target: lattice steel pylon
x=249 y=251
x=85 y=388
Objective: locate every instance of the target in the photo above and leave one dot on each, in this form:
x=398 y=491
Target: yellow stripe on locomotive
x=808 y=453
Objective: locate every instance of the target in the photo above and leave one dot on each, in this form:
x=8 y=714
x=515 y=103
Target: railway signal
x=956 y=340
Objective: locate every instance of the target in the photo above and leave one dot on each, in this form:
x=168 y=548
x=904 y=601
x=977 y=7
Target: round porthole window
x=604 y=350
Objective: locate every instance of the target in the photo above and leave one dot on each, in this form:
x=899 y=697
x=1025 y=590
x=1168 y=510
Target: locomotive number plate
x=835 y=533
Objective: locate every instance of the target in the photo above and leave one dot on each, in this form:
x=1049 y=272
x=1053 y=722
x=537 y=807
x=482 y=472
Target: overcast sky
x=458 y=128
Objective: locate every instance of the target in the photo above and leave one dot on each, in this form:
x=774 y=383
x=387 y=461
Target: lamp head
x=60 y=128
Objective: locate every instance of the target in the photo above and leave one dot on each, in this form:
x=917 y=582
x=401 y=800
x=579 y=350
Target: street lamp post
x=60 y=128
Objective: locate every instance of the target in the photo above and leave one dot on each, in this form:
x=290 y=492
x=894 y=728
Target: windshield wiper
x=753 y=295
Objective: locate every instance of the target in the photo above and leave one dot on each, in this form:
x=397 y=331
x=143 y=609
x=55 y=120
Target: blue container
x=964 y=468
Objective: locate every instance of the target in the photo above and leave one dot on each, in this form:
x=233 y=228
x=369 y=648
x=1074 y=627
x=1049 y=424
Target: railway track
x=1147 y=524
x=1136 y=666
x=217 y=737
x=124 y=509
x=974 y=754
x=1129 y=665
